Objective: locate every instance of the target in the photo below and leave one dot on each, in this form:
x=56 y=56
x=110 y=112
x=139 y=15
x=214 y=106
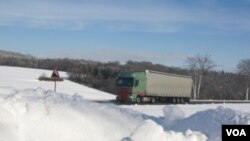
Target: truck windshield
x=125 y=82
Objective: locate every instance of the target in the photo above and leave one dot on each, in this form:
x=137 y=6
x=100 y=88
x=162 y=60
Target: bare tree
x=244 y=69
x=199 y=64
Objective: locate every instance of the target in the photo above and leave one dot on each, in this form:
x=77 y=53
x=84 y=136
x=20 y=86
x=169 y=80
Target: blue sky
x=160 y=31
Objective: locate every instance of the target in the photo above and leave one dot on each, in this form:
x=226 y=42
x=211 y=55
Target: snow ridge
x=208 y=122
x=37 y=115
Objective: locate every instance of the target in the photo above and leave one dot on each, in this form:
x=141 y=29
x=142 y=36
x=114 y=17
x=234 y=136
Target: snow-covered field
x=31 y=111
x=25 y=78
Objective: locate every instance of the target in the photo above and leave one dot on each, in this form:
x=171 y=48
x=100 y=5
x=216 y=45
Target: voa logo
x=236 y=132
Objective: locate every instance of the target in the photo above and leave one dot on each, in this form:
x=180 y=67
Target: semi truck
x=152 y=86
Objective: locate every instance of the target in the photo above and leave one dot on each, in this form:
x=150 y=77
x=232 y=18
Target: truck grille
x=123 y=93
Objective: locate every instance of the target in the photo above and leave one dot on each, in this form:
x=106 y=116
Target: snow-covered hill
x=26 y=78
x=31 y=111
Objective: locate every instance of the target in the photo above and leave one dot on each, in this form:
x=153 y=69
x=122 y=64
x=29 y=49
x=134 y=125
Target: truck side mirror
x=136 y=83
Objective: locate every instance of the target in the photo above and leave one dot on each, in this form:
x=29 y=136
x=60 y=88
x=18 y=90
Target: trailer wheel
x=138 y=99
x=177 y=100
x=182 y=100
x=174 y=100
x=152 y=100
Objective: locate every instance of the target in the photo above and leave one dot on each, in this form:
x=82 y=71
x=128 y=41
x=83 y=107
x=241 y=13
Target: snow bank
x=150 y=131
x=44 y=115
x=38 y=115
x=6 y=91
x=172 y=114
x=208 y=122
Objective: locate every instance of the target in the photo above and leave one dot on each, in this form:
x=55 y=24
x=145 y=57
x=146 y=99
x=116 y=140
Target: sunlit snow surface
x=31 y=111
x=35 y=114
x=26 y=78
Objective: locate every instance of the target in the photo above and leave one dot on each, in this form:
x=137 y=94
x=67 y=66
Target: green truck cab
x=130 y=85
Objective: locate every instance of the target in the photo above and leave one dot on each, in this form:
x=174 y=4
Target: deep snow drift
x=208 y=121
x=38 y=115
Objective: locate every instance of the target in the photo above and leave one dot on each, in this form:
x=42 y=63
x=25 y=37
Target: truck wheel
x=138 y=99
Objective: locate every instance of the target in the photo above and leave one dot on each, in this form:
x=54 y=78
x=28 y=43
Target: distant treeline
x=102 y=76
